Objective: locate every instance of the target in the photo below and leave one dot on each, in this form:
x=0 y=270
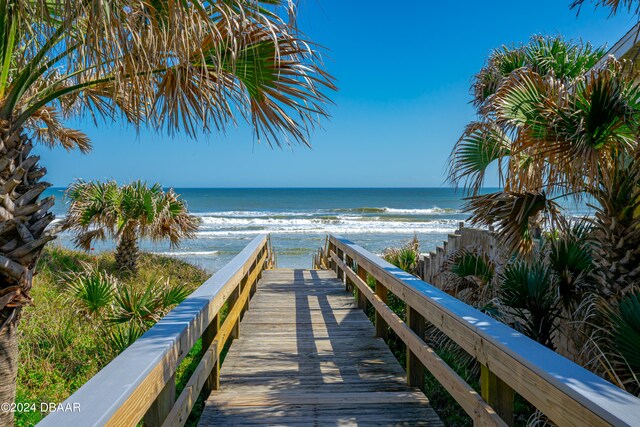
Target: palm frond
x=119 y=337
x=571 y=258
x=472 y=265
x=481 y=144
x=91 y=289
x=469 y=276
x=615 y=5
x=515 y=215
x=528 y=291
x=133 y=305
x=615 y=345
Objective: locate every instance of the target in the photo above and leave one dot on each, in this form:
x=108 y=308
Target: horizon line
x=309 y=188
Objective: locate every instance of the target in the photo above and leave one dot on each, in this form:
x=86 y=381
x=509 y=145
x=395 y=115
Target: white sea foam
x=251 y=214
x=430 y=211
x=329 y=212
x=343 y=227
x=188 y=253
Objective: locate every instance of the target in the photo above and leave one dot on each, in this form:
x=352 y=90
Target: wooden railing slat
x=232 y=321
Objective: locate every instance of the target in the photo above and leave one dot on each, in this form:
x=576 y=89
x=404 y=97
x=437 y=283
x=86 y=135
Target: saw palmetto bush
x=91 y=289
x=536 y=294
x=470 y=276
x=171 y=66
x=527 y=291
x=121 y=312
x=127 y=213
x=614 y=348
x=144 y=306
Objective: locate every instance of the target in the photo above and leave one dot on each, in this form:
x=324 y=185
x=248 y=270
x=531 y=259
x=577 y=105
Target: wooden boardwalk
x=307 y=356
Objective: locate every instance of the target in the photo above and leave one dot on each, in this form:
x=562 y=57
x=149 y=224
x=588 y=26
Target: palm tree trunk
x=8 y=361
x=617 y=232
x=127 y=252
x=23 y=219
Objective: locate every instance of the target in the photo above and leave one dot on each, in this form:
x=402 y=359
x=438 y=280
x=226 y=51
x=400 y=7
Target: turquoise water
x=299 y=220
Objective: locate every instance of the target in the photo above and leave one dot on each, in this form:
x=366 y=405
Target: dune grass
x=61 y=348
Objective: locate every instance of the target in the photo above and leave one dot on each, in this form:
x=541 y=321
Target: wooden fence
x=139 y=384
x=510 y=362
x=430 y=266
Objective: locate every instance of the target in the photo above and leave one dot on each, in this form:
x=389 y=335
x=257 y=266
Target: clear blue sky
x=403 y=69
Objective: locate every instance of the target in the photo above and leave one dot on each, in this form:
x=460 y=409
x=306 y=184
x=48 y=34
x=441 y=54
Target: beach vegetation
x=404 y=257
x=91 y=290
x=63 y=343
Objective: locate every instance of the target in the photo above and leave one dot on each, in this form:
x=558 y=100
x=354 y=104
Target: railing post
x=497 y=394
x=362 y=300
x=332 y=265
x=382 y=329
x=348 y=283
x=209 y=334
x=415 y=368
x=254 y=285
x=339 y=271
x=231 y=302
x=245 y=283
x=161 y=407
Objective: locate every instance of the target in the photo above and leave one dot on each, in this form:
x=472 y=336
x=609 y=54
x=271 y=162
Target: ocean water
x=299 y=220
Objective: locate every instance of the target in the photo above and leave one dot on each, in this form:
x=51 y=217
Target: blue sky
x=403 y=69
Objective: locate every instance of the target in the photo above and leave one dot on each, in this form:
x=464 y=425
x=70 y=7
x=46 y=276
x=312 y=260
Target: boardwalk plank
x=307 y=356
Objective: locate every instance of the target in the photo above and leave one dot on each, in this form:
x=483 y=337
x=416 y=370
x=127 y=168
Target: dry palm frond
x=54 y=132
x=515 y=215
x=172 y=65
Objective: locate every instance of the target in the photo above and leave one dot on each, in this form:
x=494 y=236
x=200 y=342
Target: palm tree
x=556 y=129
x=98 y=211
x=171 y=66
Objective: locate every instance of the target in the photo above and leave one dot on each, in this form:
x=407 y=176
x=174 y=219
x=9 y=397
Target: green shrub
x=91 y=289
x=405 y=257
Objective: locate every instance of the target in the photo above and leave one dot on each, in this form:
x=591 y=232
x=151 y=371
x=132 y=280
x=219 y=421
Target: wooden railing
x=139 y=384
x=510 y=362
